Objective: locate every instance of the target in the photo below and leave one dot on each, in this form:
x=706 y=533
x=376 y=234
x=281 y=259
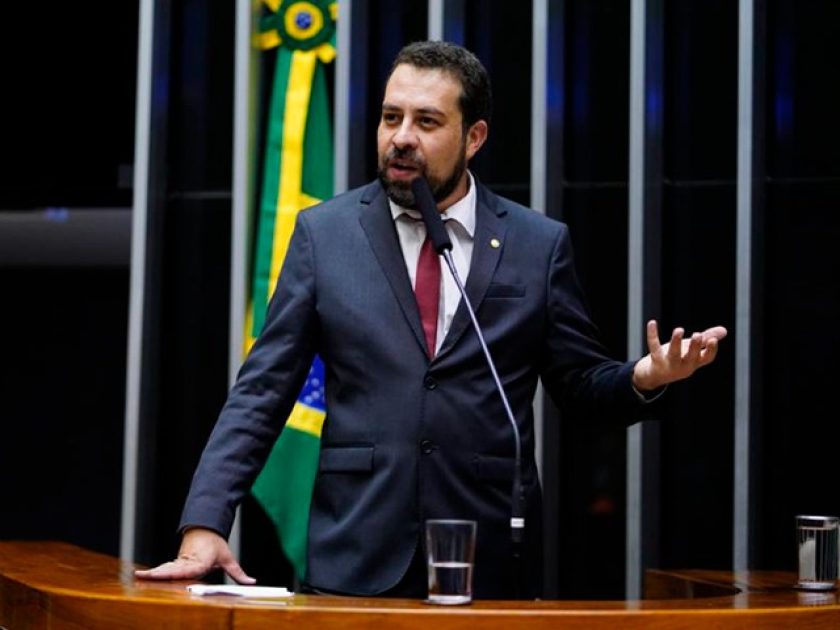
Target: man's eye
x=428 y=122
x=389 y=118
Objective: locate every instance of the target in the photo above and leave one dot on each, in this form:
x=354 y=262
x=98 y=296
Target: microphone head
x=425 y=202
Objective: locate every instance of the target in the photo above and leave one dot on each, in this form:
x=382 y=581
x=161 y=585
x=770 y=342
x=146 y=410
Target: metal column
x=643 y=279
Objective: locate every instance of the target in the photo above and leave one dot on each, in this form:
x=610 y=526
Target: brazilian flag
x=298 y=174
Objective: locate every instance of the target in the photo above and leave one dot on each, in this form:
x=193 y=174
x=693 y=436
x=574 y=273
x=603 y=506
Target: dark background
x=68 y=139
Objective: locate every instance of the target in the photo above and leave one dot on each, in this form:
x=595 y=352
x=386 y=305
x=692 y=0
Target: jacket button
x=427 y=447
x=429 y=383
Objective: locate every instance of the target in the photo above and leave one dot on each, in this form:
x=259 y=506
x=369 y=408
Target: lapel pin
x=494 y=243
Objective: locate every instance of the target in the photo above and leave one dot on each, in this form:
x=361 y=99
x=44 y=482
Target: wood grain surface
x=56 y=585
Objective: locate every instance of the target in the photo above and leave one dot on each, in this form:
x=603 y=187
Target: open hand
x=202 y=550
x=677 y=359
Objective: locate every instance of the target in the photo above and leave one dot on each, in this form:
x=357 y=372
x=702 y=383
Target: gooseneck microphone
x=440 y=240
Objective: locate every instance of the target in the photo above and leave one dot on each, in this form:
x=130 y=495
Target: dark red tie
x=427 y=290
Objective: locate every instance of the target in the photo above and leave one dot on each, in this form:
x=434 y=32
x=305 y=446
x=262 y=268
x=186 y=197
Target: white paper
x=239 y=590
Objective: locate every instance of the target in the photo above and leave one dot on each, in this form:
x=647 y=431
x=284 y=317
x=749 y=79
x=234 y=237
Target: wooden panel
x=21 y=607
x=62 y=587
x=663 y=585
x=58 y=586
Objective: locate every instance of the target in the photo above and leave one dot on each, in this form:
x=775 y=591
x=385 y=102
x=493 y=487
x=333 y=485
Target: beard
x=399 y=191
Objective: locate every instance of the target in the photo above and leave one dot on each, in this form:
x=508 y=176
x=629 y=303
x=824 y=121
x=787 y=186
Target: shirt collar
x=462 y=211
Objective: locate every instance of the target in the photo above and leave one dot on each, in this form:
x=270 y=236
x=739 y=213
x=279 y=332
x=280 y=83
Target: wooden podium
x=56 y=586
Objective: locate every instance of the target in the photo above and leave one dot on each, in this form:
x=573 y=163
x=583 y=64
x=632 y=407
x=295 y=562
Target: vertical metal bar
x=539 y=128
x=546 y=143
x=246 y=66
x=539 y=60
x=743 y=296
x=140 y=211
x=342 y=98
x=635 y=263
x=246 y=63
x=644 y=277
x=435 y=23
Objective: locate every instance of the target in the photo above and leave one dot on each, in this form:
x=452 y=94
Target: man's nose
x=405 y=136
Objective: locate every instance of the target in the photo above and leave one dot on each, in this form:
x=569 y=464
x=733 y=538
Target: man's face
x=421 y=133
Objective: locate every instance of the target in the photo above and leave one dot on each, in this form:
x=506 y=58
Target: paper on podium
x=239 y=590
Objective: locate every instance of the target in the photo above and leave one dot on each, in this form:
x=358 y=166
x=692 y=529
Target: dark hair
x=476 y=96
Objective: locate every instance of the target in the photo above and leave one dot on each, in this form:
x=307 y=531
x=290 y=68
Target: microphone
x=425 y=203
x=436 y=231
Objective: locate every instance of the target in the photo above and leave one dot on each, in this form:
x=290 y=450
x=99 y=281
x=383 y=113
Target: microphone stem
x=517 y=521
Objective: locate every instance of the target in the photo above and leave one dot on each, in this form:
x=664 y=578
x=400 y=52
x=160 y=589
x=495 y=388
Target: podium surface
x=57 y=585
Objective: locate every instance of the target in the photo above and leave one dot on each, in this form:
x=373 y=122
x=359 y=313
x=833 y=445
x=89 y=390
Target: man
x=415 y=427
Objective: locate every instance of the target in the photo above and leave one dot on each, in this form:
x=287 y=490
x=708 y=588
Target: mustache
x=409 y=156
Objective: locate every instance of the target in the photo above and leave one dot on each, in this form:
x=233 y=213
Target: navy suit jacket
x=407 y=439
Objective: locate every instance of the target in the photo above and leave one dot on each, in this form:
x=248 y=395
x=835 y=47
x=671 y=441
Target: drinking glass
x=817 y=538
x=450 y=550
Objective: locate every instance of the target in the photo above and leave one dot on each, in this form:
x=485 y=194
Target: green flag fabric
x=297 y=174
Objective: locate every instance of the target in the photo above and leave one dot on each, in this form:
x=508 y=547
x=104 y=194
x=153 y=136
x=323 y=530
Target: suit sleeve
x=263 y=396
x=578 y=373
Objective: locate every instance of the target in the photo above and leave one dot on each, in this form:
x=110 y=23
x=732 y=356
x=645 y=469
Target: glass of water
x=817 y=538
x=450 y=552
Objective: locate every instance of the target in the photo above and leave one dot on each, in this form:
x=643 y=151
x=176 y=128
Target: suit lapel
x=378 y=225
x=485 y=258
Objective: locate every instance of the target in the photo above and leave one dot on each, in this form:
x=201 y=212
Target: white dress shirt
x=459 y=219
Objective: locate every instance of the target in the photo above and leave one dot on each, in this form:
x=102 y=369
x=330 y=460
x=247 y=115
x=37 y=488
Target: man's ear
x=476 y=136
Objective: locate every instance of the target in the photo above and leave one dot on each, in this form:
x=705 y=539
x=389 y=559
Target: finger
x=692 y=355
x=654 y=346
x=675 y=347
x=710 y=351
x=235 y=571
x=716 y=332
x=177 y=570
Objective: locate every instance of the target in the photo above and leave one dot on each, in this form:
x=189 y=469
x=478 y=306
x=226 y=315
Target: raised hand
x=202 y=550
x=677 y=359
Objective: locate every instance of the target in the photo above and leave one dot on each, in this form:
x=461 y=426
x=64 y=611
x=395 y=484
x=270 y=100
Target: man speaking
x=415 y=426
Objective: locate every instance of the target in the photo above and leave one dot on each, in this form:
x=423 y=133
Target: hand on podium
x=202 y=550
